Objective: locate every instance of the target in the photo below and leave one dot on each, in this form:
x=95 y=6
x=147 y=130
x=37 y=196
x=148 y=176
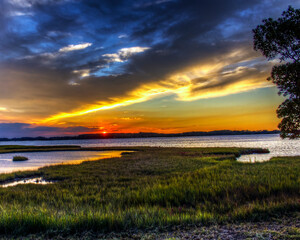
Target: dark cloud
x=10 y=130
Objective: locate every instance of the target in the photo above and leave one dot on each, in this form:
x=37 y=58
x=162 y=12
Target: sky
x=69 y=67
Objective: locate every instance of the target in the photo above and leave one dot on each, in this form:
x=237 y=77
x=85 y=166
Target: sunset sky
x=69 y=67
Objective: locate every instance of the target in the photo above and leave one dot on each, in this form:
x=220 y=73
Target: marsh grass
x=19 y=158
x=151 y=187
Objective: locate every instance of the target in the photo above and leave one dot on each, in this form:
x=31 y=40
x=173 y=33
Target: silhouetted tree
x=280 y=39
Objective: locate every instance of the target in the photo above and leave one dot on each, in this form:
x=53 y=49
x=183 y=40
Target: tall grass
x=152 y=187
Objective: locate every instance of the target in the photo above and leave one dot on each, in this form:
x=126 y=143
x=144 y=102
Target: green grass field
x=151 y=187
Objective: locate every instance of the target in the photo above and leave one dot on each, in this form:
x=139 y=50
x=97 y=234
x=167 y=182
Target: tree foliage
x=279 y=39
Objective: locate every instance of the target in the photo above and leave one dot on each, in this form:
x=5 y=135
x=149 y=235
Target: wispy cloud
x=10 y=130
x=123 y=36
x=83 y=72
x=73 y=47
x=123 y=54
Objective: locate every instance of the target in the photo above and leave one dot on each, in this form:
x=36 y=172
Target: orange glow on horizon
x=234 y=120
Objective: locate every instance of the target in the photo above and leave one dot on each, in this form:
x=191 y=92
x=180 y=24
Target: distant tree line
x=141 y=135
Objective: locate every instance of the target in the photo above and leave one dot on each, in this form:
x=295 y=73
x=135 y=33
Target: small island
x=19 y=158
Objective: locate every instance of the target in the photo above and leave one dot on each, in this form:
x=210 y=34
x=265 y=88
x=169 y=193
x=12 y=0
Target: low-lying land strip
x=151 y=188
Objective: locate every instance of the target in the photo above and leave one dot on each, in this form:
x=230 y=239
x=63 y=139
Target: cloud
x=73 y=47
x=112 y=57
x=83 y=72
x=216 y=77
x=11 y=130
x=122 y=36
x=123 y=54
x=151 y=3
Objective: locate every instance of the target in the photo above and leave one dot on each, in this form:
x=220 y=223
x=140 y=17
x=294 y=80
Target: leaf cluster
x=279 y=38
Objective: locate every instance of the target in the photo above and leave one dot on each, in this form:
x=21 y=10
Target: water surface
x=34 y=180
x=276 y=145
x=41 y=159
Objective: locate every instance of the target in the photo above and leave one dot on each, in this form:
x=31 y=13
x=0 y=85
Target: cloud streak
x=74 y=47
x=123 y=54
x=10 y=130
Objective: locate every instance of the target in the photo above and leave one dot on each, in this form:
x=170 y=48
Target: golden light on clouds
x=140 y=97
x=193 y=84
x=231 y=73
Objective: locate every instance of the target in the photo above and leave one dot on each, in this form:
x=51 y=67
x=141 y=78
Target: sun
x=104 y=132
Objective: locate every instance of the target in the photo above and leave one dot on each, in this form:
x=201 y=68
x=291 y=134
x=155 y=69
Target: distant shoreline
x=140 y=135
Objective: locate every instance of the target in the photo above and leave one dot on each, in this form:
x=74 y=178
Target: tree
x=279 y=39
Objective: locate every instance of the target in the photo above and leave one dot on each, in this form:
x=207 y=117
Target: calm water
x=277 y=146
x=41 y=159
x=39 y=180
